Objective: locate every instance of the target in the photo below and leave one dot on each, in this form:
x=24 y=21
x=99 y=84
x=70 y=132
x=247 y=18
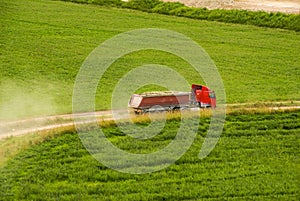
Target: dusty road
x=34 y=125
x=285 y=6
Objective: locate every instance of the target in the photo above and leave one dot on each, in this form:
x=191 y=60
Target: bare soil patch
x=285 y=6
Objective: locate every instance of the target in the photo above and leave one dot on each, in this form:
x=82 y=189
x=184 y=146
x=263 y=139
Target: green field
x=257 y=158
x=43 y=45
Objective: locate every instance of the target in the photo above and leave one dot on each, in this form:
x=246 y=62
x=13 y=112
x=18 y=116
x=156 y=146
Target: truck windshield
x=212 y=95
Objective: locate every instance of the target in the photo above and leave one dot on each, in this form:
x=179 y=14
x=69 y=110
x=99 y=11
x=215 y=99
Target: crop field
x=257 y=158
x=44 y=43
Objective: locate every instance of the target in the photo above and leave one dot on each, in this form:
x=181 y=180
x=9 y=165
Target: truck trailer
x=200 y=96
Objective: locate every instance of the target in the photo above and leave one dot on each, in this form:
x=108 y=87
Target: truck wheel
x=200 y=105
x=175 y=109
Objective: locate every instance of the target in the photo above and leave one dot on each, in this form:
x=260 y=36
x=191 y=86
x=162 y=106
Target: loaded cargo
x=200 y=96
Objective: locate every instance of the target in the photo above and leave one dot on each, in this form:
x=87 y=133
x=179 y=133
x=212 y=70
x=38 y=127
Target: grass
x=258 y=18
x=11 y=146
x=256 y=158
x=43 y=44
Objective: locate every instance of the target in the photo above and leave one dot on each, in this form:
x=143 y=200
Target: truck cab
x=202 y=96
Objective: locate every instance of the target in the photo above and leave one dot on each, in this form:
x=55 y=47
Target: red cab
x=202 y=96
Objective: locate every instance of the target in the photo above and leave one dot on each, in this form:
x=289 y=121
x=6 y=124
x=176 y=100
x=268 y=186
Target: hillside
x=43 y=45
x=256 y=159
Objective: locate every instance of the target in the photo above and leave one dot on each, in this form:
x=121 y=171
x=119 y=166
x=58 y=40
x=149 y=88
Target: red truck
x=200 y=96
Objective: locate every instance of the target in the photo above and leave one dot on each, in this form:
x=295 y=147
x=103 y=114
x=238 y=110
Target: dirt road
x=285 y=6
x=34 y=125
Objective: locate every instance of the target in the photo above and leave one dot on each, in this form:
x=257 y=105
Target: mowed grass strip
x=43 y=45
x=256 y=158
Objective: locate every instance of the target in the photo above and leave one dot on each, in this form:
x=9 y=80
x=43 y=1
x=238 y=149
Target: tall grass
x=11 y=146
x=255 y=158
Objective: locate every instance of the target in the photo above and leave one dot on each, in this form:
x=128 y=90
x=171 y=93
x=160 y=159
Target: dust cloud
x=19 y=102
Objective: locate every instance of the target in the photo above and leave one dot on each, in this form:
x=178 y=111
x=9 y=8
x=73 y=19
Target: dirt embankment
x=285 y=6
